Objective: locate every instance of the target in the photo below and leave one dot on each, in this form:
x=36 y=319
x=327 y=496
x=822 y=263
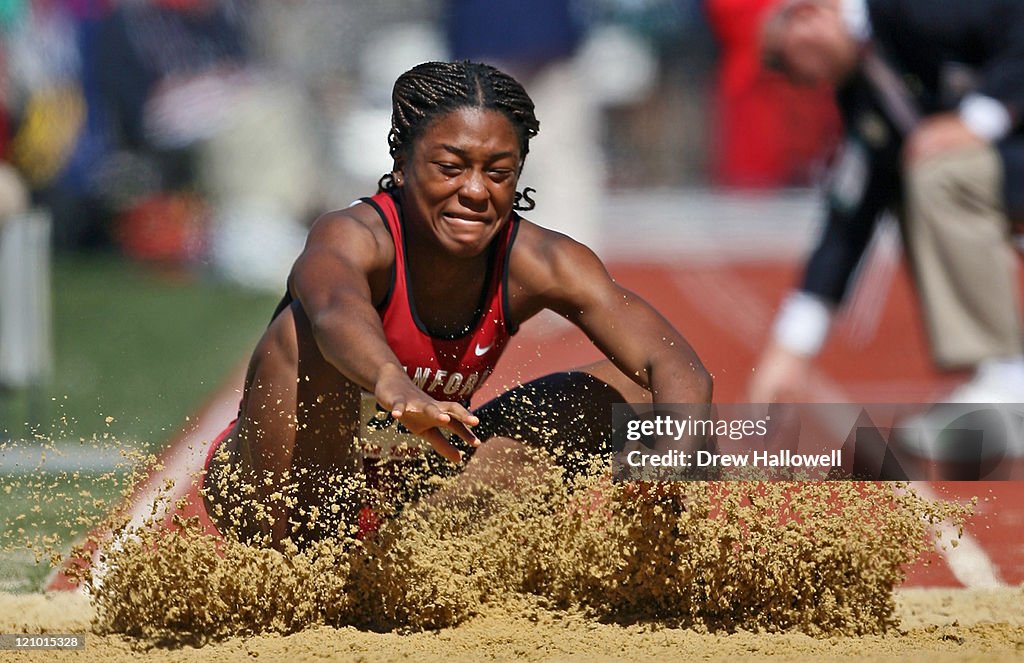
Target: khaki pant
x=964 y=258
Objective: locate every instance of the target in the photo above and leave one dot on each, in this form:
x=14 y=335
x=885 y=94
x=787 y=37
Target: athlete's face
x=460 y=180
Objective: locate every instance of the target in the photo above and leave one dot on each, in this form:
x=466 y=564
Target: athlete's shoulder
x=540 y=250
x=550 y=270
x=344 y=243
x=360 y=214
x=358 y=227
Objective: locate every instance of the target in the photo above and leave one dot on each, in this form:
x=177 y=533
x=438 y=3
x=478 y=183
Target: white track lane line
x=968 y=560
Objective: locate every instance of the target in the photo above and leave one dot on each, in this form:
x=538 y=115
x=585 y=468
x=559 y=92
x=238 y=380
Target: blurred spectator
x=24 y=238
x=13 y=193
x=931 y=96
x=57 y=136
x=167 y=70
x=644 y=64
x=218 y=160
x=768 y=132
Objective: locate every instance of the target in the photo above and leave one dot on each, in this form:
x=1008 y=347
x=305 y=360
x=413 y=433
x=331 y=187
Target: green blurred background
x=139 y=343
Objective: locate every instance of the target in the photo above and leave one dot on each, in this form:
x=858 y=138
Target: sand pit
x=937 y=625
x=542 y=567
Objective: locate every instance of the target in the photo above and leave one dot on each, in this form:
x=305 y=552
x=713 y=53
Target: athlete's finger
x=436 y=413
x=463 y=431
x=398 y=409
x=467 y=417
x=441 y=445
x=457 y=411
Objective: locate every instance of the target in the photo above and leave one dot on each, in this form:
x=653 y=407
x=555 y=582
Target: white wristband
x=987 y=118
x=802 y=324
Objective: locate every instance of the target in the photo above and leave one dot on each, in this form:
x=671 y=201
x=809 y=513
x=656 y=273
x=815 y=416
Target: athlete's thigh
x=568 y=414
x=296 y=406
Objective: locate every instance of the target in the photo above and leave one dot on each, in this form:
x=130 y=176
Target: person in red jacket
x=400 y=306
x=768 y=132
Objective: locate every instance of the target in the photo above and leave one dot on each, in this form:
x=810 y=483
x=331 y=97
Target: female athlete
x=398 y=309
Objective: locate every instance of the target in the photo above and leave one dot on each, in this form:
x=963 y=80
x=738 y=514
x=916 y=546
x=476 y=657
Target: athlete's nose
x=473 y=192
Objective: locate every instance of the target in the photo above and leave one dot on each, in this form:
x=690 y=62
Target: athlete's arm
x=331 y=280
x=558 y=273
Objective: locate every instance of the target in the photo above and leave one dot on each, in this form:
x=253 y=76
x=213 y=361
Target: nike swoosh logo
x=480 y=352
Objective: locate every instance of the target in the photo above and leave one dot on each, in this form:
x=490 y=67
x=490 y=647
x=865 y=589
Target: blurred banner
x=815 y=441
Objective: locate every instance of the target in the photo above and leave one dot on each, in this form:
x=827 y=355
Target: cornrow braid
x=432 y=89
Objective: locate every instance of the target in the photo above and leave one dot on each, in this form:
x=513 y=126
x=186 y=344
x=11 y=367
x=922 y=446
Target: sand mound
x=817 y=558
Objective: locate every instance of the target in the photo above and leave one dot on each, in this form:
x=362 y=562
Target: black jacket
x=941 y=51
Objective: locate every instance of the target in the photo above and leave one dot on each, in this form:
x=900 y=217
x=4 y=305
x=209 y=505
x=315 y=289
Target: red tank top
x=448 y=368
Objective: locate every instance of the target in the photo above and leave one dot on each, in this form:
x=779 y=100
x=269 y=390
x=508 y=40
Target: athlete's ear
x=396 y=170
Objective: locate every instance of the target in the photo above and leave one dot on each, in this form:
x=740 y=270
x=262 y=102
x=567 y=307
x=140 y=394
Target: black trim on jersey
x=485 y=294
x=393 y=274
x=285 y=302
x=287 y=299
x=510 y=326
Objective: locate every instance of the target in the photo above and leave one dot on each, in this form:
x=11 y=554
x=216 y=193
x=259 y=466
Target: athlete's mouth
x=464 y=218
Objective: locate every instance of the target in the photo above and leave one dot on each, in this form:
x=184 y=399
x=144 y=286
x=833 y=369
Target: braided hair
x=432 y=89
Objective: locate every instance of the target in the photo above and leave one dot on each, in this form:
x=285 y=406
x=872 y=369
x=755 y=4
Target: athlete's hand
x=426 y=417
x=423 y=415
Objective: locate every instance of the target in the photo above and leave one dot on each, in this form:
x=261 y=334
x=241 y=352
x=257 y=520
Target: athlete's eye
x=448 y=169
x=500 y=174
